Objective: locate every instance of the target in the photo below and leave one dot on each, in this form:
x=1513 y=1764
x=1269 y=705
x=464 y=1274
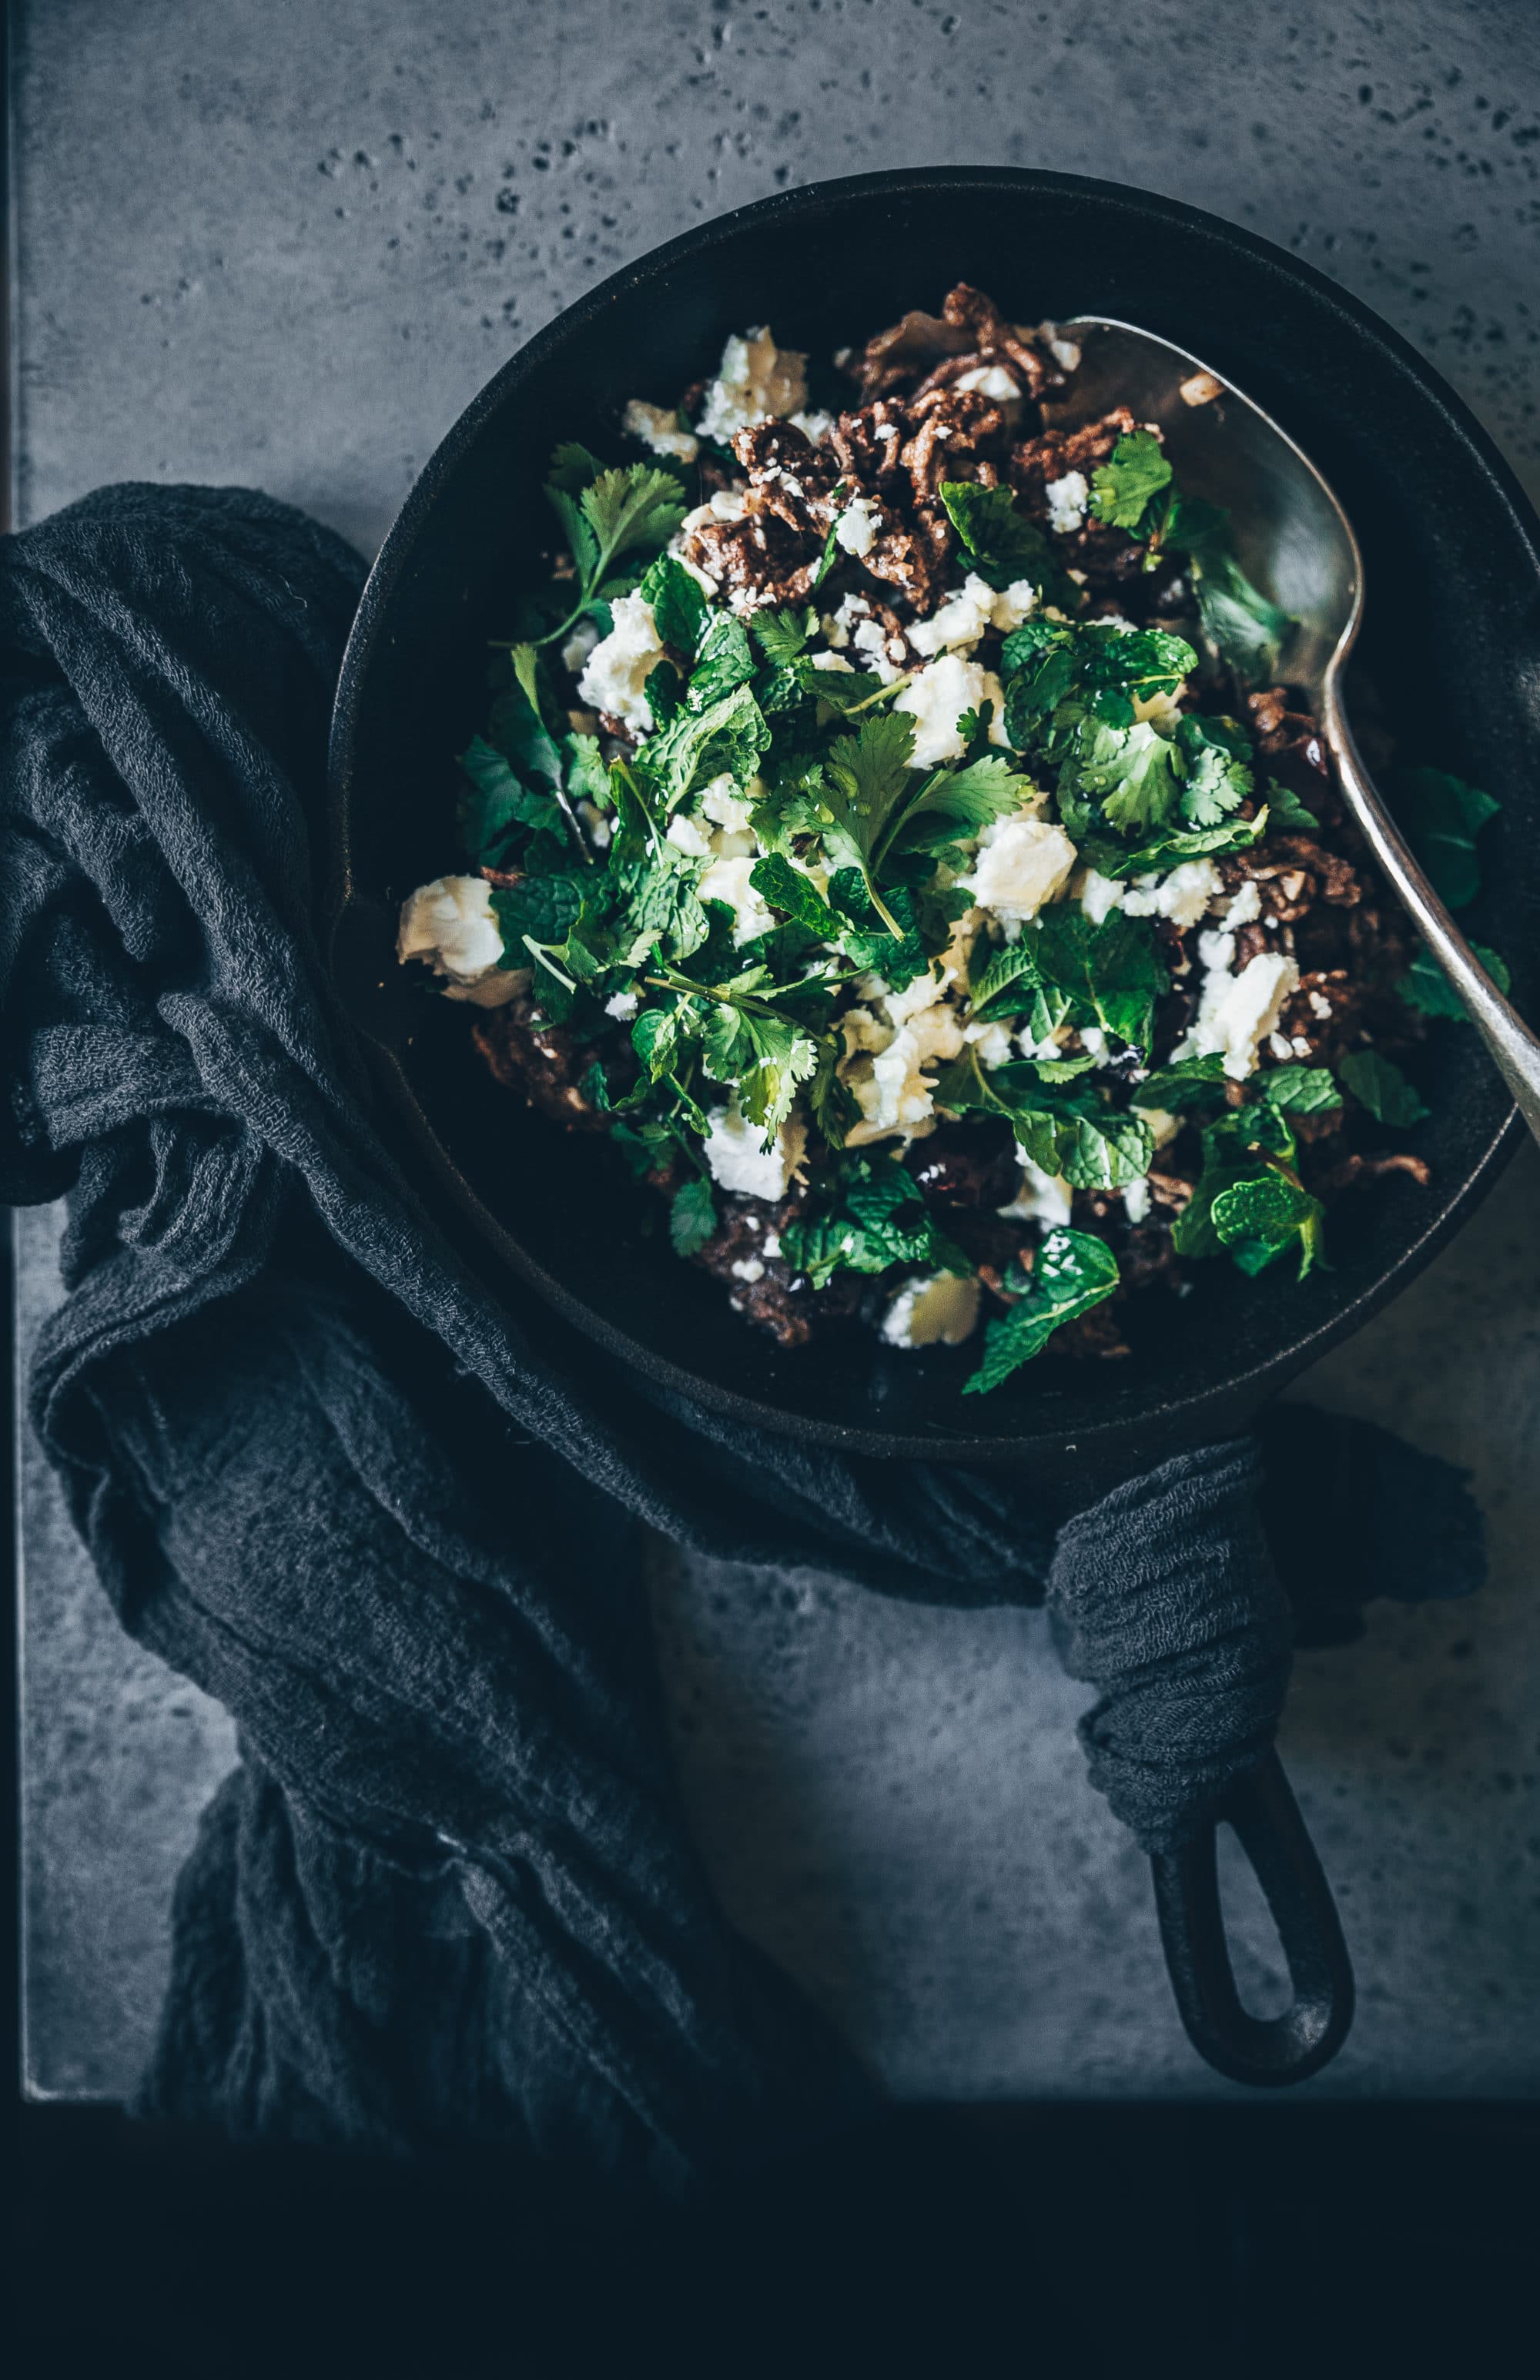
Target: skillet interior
x=1453 y=626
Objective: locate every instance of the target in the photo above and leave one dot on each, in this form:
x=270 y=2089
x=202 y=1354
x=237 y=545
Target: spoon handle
x=1515 y=1049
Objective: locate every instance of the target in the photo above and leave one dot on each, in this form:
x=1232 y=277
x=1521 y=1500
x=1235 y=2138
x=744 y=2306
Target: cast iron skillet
x=1449 y=657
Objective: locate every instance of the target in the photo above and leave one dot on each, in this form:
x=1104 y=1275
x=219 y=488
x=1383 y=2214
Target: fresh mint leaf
x=1113 y=972
x=692 y=1217
x=1428 y=988
x=1297 y=1090
x=1123 y=487
x=868 y=1215
x=786 y=889
x=1379 y=1084
x=1189 y=1083
x=538 y=908
x=497 y=808
x=662 y=690
x=1441 y=816
x=1257 y=1220
x=1164 y=852
x=1244 y=627
x=1074 y=1271
x=678 y=602
x=725 y=663
x=727 y=737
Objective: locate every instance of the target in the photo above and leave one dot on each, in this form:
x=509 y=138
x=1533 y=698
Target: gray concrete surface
x=284 y=244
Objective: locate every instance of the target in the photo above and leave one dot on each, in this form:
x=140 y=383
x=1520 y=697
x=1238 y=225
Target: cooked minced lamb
x=887 y=835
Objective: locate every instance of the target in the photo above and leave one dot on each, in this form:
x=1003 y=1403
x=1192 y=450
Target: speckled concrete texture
x=284 y=242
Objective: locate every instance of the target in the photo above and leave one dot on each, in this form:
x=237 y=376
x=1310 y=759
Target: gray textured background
x=284 y=245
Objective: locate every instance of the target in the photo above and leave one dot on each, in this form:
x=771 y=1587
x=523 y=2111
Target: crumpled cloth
x=449 y=1893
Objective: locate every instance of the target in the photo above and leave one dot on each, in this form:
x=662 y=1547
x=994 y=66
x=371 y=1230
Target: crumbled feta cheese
x=1157 y=710
x=857 y=528
x=622 y=1005
x=1100 y=896
x=1013 y=603
x=870 y=639
x=1236 y=1013
x=721 y=802
x=831 y=662
x=685 y=836
x=615 y=678
x=1200 y=388
x=755 y=379
x=1279 y=1044
x=657 y=426
x=989 y=380
x=992 y=1042
x=933 y=1309
x=1136 y=1200
x=1041 y=1197
x=1066 y=352
x=1243 y=908
x=1183 y=896
x=1300 y=1045
x=727 y=879
x=1022 y=862
x=739 y=1160
x=890 y=1090
x=1321 y=1007
x=579 y=645
x=936 y=698
x=1163 y=1125
x=773 y=1243
x=726 y=504
x=959 y=622
x=450 y=923
x=1067 y=500
x=815 y=427
x=747 y=1269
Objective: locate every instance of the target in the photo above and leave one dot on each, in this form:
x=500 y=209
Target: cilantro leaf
x=1074 y=1271
x=606 y=514
x=588 y=778
x=782 y=635
x=1428 y=988
x=867 y=940
x=1441 y=816
x=1218 y=778
x=678 y=602
x=1123 y=487
x=1379 y=1085
x=1244 y=627
x=1286 y=813
x=692 y=1217
x=965 y=798
x=1002 y=542
x=864 y=777
x=1136 y=772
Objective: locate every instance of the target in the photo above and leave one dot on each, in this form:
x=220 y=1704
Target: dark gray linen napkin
x=449 y=1893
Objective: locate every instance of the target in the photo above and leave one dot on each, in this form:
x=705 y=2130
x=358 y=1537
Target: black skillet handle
x=1263 y=2050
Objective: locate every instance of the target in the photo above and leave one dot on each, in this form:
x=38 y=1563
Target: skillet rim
x=1175 y=1421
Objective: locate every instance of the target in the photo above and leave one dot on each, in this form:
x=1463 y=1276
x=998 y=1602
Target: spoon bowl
x=1294 y=541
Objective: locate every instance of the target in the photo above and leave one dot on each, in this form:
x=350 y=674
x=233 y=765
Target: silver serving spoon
x=1294 y=538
